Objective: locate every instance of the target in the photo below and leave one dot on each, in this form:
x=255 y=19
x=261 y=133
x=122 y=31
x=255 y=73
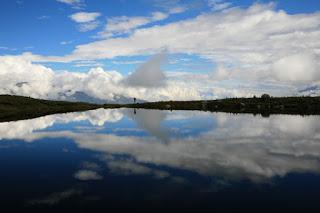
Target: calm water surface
x=149 y=159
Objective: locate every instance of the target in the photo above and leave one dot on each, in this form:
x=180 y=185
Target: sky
x=158 y=49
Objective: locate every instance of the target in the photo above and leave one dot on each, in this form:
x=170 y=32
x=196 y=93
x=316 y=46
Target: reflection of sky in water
x=118 y=154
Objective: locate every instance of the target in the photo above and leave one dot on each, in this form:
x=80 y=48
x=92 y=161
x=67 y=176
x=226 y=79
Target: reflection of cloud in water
x=85 y=175
x=20 y=129
x=57 y=197
x=128 y=167
x=150 y=120
x=241 y=146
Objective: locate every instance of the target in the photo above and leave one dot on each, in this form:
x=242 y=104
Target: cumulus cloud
x=301 y=67
x=149 y=74
x=87 y=21
x=252 y=38
x=282 y=55
x=221 y=73
x=20 y=76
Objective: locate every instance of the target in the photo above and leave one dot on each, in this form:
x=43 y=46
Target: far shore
x=14 y=108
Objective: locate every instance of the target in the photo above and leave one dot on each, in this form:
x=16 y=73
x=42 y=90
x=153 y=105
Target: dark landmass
x=265 y=105
x=17 y=107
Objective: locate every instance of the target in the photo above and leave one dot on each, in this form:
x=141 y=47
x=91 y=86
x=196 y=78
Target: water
x=149 y=159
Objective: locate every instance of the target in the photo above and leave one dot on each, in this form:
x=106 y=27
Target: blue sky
x=44 y=27
x=120 y=35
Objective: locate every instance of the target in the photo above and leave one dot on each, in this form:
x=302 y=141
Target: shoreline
x=14 y=108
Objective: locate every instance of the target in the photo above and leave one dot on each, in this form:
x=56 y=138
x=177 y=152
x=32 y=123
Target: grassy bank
x=18 y=107
x=264 y=106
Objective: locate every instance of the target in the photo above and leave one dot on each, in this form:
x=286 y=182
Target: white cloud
x=149 y=74
x=172 y=6
x=69 y=1
x=76 y=4
x=7 y=48
x=221 y=73
x=258 y=45
x=66 y=42
x=177 y=9
x=223 y=37
x=217 y=5
x=88 y=63
x=124 y=24
x=127 y=62
x=14 y=70
x=21 y=77
x=87 y=21
x=298 y=67
x=85 y=27
x=83 y=17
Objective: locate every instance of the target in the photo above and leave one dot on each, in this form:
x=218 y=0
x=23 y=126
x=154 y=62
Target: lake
x=150 y=159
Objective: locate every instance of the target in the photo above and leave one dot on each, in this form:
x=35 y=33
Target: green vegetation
x=265 y=105
x=18 y=107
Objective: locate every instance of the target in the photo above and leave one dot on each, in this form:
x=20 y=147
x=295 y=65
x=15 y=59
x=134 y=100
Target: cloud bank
x=258 y=35
x=19 y=76
x=260 y=48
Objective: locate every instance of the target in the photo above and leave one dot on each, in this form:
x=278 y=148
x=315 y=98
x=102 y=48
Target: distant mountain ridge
x=79 y=96
x=84 y=97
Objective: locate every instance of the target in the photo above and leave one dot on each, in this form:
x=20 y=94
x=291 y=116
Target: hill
x=19 y=107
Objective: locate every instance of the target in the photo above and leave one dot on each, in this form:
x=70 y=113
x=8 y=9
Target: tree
x=265 y=97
